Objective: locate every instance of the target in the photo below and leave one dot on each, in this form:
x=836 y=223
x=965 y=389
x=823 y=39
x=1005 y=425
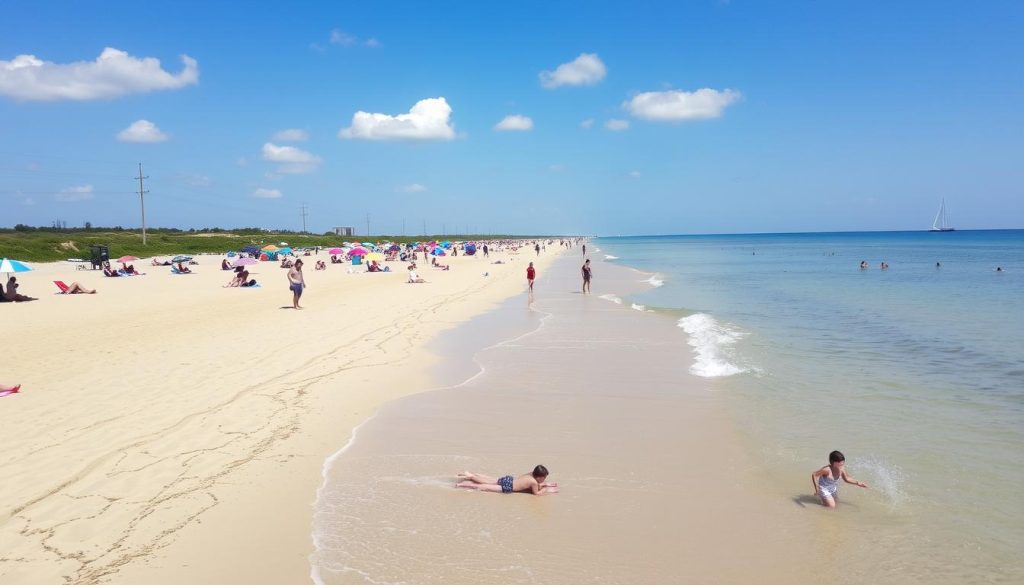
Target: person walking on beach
x=536 y=248
x=485 y=251
x=296 y=282
x=531 y=273
x=826 y=479
x=586 y=276
x=584 y=249
x=534 y=482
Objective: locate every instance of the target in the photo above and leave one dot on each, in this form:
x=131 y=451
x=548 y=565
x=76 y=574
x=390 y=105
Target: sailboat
x=940 y=225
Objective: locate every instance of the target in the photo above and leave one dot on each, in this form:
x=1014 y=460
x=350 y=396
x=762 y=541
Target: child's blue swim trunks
x=506 y=484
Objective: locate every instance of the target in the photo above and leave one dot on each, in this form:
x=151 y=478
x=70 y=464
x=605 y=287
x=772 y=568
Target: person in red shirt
x=531 y=273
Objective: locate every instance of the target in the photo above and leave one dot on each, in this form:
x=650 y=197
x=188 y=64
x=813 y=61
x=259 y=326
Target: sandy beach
x=170 y=430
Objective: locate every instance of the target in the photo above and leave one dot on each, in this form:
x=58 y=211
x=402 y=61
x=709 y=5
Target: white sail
x=940 y=225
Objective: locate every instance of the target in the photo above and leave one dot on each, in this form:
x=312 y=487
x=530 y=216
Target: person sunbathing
x=437 y=264
x=11 y=293
x=224 y=265
x=108 y=271
x=157 y=262
x=183 y=269
x=76 y=289
x=321 y=265
x=128 y=269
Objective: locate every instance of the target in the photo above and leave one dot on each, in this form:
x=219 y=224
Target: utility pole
x=304 y=214
x=142 y=202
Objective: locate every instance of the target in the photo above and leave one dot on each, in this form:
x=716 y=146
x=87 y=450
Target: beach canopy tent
x=251 y=250
x=285 y=251
x=446 y=244
x=8 y=266
x=438 y=251
x=470 y=249
x=264 y=257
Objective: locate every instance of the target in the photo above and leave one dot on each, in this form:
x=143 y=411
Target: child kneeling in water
x=826 y=479
x=533 y=482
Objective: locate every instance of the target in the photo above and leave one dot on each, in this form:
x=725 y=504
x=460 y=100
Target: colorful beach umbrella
x=181 y=258
x=8 y=265
x=285 y=251
x=124 y=259
x=246 y=261
x=334 y=251
x=375 y=256
x=358 y=252
x=270 y=247
x=250 y=250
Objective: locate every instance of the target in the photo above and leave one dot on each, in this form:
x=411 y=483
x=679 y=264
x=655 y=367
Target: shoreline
x=246 y=514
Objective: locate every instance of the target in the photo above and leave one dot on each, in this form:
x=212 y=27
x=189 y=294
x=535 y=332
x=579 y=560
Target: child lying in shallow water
x=534 y=482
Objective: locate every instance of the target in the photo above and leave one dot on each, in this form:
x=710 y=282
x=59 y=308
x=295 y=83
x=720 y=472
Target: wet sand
x=656 y=486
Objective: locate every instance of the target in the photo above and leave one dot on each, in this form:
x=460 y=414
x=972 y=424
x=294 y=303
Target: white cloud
x=291 y=135
x=677 y=105
x=113 y=74
x=80 y=193
x=429 y=119
x=371 y=43
x=587 y=69
x=634 y=174
x=587 y=124
x=515 y=122
x=292 y=161
x=262 y=193
x=413 y=188
x=339 y=37
x=617 y=125
x=142 y=131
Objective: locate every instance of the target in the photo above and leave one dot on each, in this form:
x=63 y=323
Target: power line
x=142 y=202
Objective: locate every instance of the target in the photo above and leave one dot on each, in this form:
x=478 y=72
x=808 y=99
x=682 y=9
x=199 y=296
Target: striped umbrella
x=7 y=265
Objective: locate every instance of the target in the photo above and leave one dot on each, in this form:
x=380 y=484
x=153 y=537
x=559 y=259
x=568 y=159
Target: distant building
x=344 y=231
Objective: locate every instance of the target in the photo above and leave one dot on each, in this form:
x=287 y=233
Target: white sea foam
x=654 y=280
x=712 y=342
x=610 y=297
x=610 y=257
x=884 y=478
x=637 y=307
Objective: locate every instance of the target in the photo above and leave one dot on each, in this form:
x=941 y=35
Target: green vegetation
x=48 y=245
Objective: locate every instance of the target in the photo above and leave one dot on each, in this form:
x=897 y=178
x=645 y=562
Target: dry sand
x=173 y=431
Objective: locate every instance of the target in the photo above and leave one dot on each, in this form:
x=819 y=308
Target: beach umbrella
x=358 y=252
x=285 y=251
x=375 y=256
x=334 y=251
x=231 y=254
x=394 y=248
x=438 y=251
x=181 y=258
x=124 y=259
x=7 y=266
x=368 y=244
x=270 y=247
x=250 y=250
x=246 y=261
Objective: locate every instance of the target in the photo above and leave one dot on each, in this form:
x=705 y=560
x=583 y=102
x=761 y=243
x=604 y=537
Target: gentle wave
x=711 y=340
x=654 y=280
x=638 y=307
x=610 y=297
x=610 y=257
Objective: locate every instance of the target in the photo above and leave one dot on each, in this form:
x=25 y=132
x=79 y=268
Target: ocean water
x=916 y=373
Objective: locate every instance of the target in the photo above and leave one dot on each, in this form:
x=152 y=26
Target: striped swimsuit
x=828 y=486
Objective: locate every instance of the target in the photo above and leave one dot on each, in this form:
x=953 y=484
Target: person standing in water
x=531 y=274
x=296 y=282
x=826 y=479
x=587 y=274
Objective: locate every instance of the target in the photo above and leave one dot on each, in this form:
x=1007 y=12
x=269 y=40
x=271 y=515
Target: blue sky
x=733 y=116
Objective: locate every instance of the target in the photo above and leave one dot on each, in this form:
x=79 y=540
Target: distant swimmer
x=999 y=268
x=534 y=482
x=938 y=265
x=883 y=266
x=826 y=479
x=863 y=264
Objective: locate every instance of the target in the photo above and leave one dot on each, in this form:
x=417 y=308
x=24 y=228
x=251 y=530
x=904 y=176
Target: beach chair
x=63 y=287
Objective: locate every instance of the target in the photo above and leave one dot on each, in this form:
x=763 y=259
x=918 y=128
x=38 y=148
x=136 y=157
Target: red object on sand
x=14 y=390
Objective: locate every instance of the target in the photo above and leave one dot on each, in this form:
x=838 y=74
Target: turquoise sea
x=915 y=372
